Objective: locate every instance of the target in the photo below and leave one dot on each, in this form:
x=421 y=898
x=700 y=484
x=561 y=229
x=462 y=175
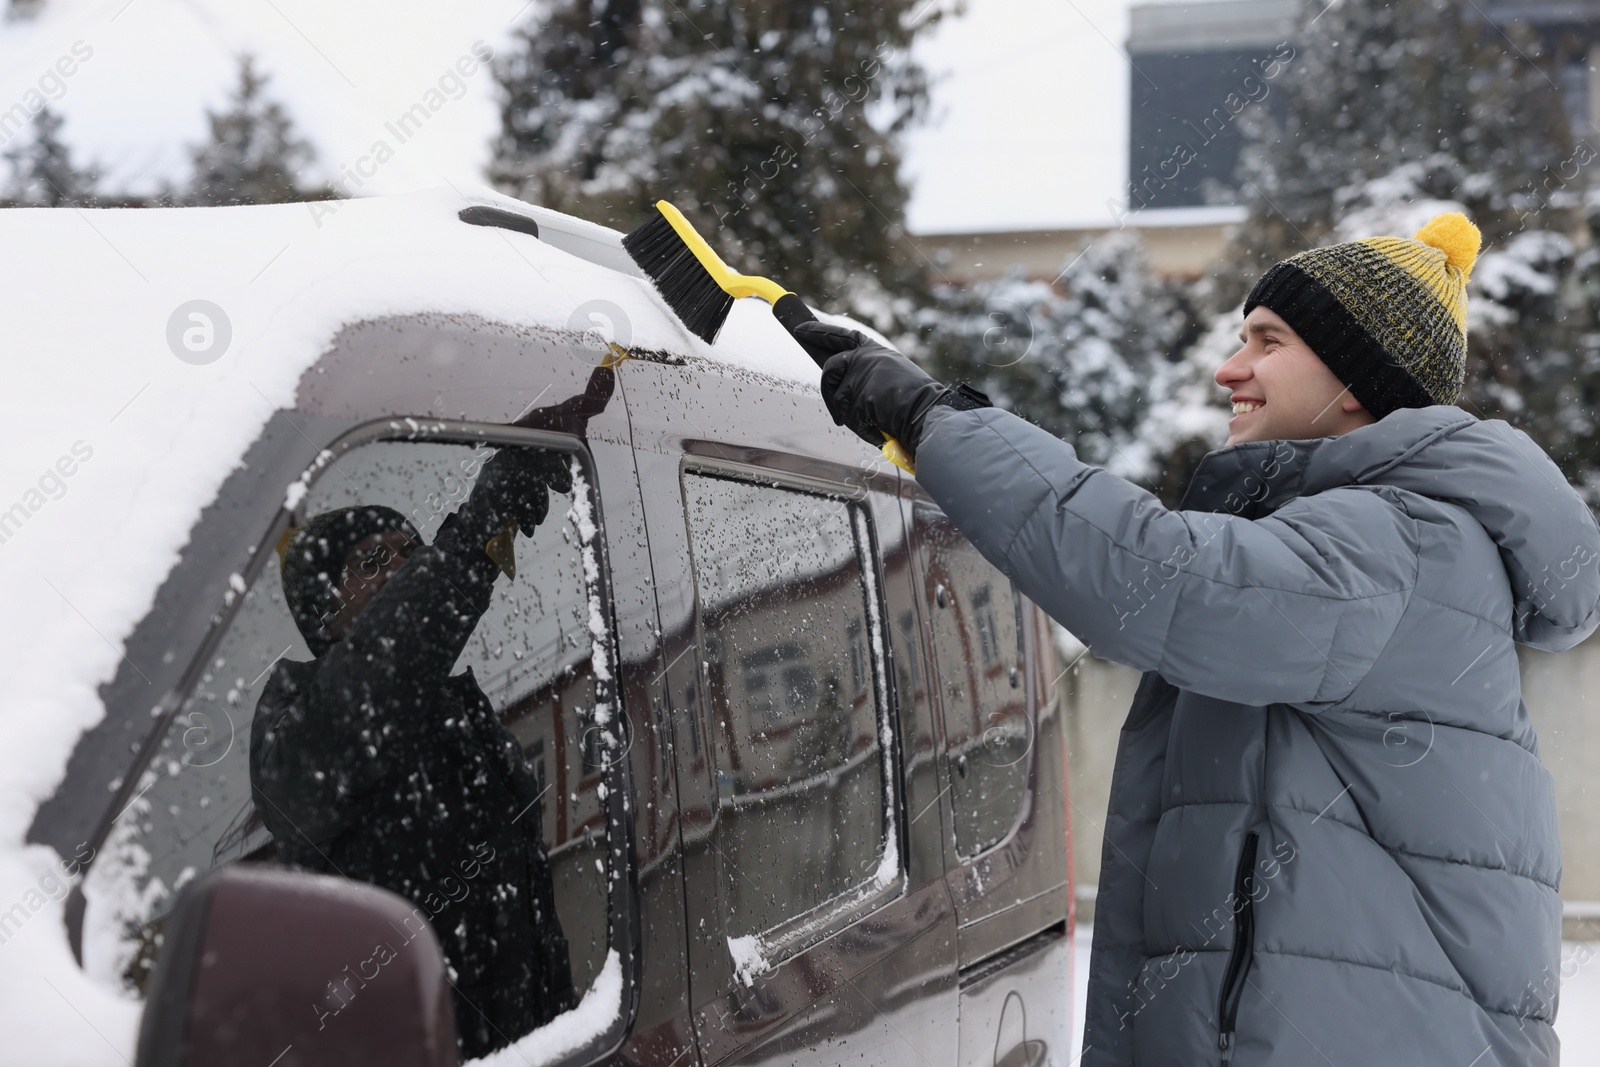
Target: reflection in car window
x=793 y=678
x=415 y=693
x=978 y=658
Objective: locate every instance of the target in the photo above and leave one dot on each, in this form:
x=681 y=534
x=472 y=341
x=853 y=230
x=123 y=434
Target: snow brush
x=700 y=289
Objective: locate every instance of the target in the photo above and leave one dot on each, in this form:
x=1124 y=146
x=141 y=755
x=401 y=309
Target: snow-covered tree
x=1397 y=110
x=1522 y=336
x=1092 y=357
x=773 y=124
x=1518 y=288
x=1428 y=88
x=1543 y=276
x=562 y=86
x=22 y=10
x=253 y=155
x=1188 y=412
x=1584 y=297
x=42 y=171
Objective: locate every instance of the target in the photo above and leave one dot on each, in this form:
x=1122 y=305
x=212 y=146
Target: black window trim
x=625 y=934
x=808 y=929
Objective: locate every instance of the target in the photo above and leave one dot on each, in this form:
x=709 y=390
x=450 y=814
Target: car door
x=563 y=655
x=820 y=928
x=1004 y=762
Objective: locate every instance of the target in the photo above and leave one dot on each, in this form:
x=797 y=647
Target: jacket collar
x=1250 y=480
x=1547 y=537
x=1256 y=478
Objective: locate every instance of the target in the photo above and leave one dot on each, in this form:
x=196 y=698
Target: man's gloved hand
x=868 y=388
x=516 y=484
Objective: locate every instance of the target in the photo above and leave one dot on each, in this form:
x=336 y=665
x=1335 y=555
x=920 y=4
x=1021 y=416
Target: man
x=374 y=762
x=1330 y=838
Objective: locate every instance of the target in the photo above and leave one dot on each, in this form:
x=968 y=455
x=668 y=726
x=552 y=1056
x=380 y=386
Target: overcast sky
x=1029 y=122
x=1031 y=117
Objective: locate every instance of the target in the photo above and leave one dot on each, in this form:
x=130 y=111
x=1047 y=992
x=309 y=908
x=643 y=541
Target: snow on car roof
x=124 y=415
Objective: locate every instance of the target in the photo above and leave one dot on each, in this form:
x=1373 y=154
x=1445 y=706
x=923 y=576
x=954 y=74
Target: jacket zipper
x=1244 y=947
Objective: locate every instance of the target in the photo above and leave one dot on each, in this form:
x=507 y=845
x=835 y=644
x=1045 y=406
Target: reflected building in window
x=786 y=612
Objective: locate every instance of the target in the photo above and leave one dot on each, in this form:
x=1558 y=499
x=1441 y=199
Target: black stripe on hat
x=1373 y=376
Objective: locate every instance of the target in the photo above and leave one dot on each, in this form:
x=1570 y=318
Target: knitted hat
x=312 y=559
x=1388 y=316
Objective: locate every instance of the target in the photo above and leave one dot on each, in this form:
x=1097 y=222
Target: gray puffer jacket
x=1330 y=838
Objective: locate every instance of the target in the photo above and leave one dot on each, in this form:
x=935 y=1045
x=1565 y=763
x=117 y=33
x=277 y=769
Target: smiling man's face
x=1280 y=390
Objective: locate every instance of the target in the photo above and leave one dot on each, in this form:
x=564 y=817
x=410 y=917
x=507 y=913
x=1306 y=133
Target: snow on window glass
x=415 y=693
x=790 y=641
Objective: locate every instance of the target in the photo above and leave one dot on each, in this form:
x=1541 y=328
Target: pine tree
x=1582 y=297
x=560 y=84
x=1397 y=110
x=773 y=124
x=1089 y=357
x=42 y=171
x=22 y=10
x=253 y=155
x=1380 y=85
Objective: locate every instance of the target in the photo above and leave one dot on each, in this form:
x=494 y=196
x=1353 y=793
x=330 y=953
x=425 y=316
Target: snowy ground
x=1578 y=1024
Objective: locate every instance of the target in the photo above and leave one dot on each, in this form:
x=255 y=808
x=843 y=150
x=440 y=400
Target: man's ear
x=1350 y=405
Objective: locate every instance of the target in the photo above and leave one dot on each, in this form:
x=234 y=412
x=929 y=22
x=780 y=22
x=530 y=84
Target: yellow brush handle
x=896 y=453
x=734 y=284
x=742 y=285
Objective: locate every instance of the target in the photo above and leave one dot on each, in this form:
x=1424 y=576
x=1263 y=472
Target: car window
x=793 y=676
x=975 y=620
x=416 y=692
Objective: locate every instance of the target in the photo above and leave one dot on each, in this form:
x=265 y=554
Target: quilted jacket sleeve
x=1292 y=608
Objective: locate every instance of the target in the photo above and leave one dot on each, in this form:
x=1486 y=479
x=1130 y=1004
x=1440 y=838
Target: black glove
x=516 y=484
x=874 y=390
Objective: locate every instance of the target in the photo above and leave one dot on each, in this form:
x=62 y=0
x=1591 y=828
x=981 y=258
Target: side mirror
x=267 y=966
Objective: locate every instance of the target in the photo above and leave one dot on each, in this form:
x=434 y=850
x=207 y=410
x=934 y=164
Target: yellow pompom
x=1454 y=235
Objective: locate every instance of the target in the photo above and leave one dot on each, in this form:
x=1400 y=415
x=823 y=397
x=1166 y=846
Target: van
x=508 y=675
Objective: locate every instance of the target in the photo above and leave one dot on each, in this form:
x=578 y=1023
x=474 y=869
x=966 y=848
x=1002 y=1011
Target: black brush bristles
x=687 y=287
